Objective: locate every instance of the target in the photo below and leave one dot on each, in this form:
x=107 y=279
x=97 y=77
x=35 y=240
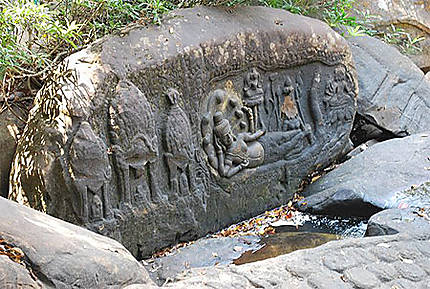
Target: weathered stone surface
x=63 y=255
x=366 y=265
x=392 y=221
x=203 y=253
x=172 y=131
x=394 y=98
x=390 y=174
x=14 y=275
x=410 y=15
x=10 y=126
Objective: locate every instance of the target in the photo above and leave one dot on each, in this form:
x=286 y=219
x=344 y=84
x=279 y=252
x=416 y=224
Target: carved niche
x=301 y=109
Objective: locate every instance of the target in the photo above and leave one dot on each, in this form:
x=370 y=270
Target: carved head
x=288 y=86
x=222 y=129
x=172 y=96
x=339 y=73
x=97 y=208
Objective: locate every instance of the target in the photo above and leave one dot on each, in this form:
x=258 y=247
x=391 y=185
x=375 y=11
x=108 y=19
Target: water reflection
x=284 y=243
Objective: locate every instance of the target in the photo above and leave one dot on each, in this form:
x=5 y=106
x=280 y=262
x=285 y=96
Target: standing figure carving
x=135 y=144
x=253 y=95
x=180 y=149
x=90 y=173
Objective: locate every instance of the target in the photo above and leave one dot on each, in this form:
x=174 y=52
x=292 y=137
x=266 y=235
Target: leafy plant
x=399 y=37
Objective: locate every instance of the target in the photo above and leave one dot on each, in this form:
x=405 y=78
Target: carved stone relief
x=180 y=150
x=90 y=174
x=135 y=145
x=251 y=115
x=228 y=139
x=292 y=117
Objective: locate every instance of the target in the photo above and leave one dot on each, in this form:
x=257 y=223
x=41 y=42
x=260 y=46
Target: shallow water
x=313 y=233
x=284 y=243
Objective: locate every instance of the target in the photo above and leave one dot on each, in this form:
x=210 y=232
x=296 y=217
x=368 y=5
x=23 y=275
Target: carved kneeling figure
x=235 y=152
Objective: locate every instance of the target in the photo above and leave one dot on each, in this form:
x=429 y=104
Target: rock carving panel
x=179 y=135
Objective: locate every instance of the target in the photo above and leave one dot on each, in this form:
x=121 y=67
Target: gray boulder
x=14 y=275
x=394 y=98
x=410 y=221
x=169 y=132
x=62 y=255
x=391 y=174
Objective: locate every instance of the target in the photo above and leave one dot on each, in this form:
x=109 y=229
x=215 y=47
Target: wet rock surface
x=387 y=261
x=251 y=241
x=62 y=255
x=169 y=132
x=394 y=95
x=390 y=174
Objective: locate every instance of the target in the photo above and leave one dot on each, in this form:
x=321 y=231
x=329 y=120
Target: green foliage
x=35 y=35
x=29 y=34
x=399 y=37
x=38 y=34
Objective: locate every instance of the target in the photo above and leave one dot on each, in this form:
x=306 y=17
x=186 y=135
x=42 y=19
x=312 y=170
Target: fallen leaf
x=314 y=179
x=237 y=248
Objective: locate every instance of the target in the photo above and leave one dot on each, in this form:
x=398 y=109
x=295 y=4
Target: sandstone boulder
x=394 y=98
x=62 y=255
x=14 y=275
x=165 y=133
x=391 y=174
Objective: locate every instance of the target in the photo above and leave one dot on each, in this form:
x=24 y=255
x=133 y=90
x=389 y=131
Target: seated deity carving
x=338 y=94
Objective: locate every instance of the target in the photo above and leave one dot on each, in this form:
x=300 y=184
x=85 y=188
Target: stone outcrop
x=11 y=124
x=410 y=15
x=399 y=260
x=391 y=174
x=161 y=134
x=394 y=95
x=62 y=255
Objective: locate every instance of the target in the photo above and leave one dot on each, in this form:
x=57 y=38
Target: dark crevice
x=365 y=129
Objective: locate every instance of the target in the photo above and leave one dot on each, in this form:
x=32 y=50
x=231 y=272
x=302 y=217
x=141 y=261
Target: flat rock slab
x=63 y=255
x=203 y=253
x=394 y=95
x=391 y=174
x=388 y=261
x=169 y=132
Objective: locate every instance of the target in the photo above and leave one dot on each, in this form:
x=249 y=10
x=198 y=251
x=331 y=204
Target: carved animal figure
x=180 y=149
x=135 y=143
x=90 y=173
